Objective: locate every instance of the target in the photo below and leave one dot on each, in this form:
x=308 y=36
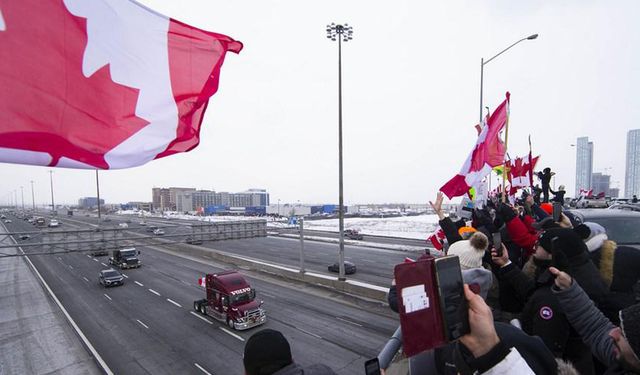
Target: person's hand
x=563 y=280
x=483 y=336
x=502 y=260
x=437 y=207
x=565 y=222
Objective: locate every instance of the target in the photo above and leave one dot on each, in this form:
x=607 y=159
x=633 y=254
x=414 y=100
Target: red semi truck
x=231 y=299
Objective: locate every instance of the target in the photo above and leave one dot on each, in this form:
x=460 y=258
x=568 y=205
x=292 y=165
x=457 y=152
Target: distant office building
x=259 y=197
x=584 y=164
x=160 y=199
x=144 y=206
x=89 y=202
x=199 y=200
x=173 y=192
x=632 y=171
x=614 y=192
x=601 y=183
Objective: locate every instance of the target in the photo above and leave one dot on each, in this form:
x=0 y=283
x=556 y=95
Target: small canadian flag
x=202 y=281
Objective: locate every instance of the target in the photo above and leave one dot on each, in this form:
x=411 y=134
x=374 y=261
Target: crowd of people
x=556 y=297
x=563 y=287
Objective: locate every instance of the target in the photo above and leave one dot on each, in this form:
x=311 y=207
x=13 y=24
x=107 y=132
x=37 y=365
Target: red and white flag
x=487 y=153
x=102 y=84
x=202 y=281
x=520 y=171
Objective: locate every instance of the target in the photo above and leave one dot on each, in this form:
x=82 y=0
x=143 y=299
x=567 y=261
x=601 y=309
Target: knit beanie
x=630 y=326
x=547 y=207
x=481 y=277
x=470 y=251
x=568 y=243
x=266 y=352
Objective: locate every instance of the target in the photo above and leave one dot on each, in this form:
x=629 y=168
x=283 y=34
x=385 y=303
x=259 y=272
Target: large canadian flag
x=102 y=84
x=487 y=153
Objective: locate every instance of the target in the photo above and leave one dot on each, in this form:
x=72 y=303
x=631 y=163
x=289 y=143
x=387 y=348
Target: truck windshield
x=128 y=253
x=245 y=297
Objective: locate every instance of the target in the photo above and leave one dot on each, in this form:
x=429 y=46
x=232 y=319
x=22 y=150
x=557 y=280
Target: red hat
x=547 y=207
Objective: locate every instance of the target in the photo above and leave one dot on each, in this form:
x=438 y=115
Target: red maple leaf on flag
x=46 y=103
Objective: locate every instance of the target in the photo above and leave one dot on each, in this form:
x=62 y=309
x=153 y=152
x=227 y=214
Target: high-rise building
x=601 y=183
x=584 y=164
x=632 y=170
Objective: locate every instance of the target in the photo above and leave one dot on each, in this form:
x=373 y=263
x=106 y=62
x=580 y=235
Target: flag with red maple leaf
x=102 y=84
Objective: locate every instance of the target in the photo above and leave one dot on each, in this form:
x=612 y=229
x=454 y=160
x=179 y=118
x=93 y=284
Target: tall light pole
x=98 y=193
x=483 y=63
x=340 y=33
x=22 y=196
x=33 y=197
x=53 y=206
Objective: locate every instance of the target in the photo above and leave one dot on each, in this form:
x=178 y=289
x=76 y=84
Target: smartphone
x=465 y=209
x=497 y=243
x=372 y=367
x=453 y=304
x=557 y=211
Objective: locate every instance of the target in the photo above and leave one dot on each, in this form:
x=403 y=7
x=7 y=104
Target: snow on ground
x=416 y=227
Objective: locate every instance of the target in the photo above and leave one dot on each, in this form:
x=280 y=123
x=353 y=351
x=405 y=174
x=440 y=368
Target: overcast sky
x=410 y=98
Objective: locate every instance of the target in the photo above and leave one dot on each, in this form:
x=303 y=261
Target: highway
x=374 y=265
x=149 y=326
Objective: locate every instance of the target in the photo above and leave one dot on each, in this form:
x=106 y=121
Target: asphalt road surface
x=149 y=326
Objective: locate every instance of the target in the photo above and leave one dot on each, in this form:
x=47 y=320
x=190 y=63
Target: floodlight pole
x=340 y=32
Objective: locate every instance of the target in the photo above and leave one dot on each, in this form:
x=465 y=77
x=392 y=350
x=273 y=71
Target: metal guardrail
x=82 y=240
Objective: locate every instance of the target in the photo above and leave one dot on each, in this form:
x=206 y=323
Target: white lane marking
x=144 y=325
x=59 y=258
x=85 y=279
x=126 y=277
x=267 y=295
x=95 y=260
x=201 y=369
x=154 y=292
x=201 y=317
x=88 y=256
x=348 y=321
x=109 y=298
x=84 y=338
x=174 y=302
x=70 y=266
x=104 y=264
x=232 y=334
x=139 y=283
x=309 y=333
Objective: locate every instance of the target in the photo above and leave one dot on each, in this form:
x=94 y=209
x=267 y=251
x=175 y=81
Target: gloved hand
x=505 y=212
x=564 y=241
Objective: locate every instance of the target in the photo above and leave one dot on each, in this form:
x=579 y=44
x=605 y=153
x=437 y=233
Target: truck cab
x=230 y=299
x=125 y=258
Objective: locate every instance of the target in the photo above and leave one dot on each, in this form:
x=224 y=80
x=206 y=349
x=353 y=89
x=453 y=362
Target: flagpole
x=504 y=165
x=530 y=165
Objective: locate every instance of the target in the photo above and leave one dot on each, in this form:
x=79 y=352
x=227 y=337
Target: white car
x=123 y=225
x=54 y=223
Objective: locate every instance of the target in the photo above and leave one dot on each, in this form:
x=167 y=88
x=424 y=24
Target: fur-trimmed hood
x=606 y=263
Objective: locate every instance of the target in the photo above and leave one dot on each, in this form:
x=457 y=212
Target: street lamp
x=22 y=195
x=341 y=33
x=483 y=63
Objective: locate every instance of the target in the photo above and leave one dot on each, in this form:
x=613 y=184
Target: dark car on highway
x=110 y=277
x=193 y=240
x=349 y=268
x=353 y=234
x=623 y=226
